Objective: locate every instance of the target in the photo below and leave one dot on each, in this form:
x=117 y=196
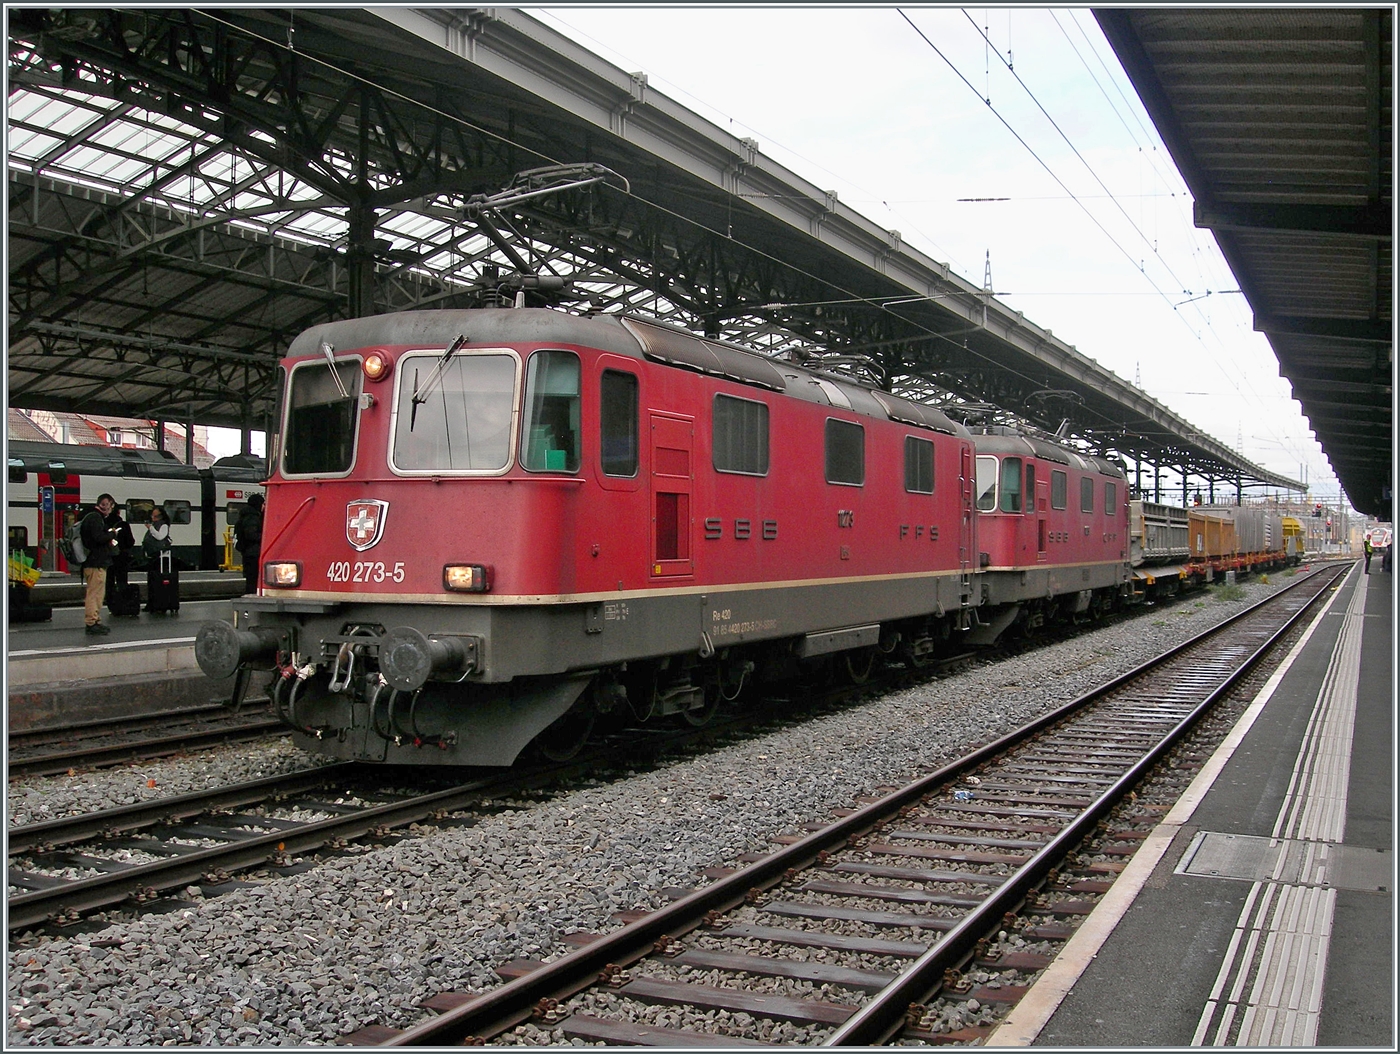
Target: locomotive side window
x=740 y=436
x=138 y=510
x=1086 y=494
x=1059 y=489
x=462 y=421
x=1110 y=498
x=617 y=415
x=918 y=465
x=1030 y=486
x=845 y=453
x=1010 y=484
x=986 y=483
x=320 y=423
x=551 y=438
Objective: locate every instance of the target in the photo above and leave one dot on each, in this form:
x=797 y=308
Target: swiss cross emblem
x=364 y=522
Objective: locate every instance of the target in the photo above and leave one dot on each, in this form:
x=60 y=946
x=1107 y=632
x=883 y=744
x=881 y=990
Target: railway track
x=851 y=934
x=117 y=741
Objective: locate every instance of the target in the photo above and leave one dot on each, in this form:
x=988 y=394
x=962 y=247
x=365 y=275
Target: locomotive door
x=672 y=440
x=1042 y=502
x=965 y=539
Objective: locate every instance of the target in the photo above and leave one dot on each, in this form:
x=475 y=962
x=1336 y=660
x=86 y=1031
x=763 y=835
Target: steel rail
x=137 y=750
x=883 y=1016
x=29 y=909
x=493 y=1012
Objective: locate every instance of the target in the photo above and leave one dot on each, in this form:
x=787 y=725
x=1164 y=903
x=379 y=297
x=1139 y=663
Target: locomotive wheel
x=701 y=715
x=859 y=663
x=566 y=737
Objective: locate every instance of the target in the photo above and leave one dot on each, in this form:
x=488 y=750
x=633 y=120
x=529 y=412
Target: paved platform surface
x=1261 y=911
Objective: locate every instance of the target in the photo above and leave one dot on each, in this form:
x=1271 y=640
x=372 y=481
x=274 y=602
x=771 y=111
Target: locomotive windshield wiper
x=421 y=396
x=329 y=353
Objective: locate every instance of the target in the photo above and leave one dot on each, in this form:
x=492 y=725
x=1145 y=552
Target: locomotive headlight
x=467 y=578
x=282 y=576
x=376 y=366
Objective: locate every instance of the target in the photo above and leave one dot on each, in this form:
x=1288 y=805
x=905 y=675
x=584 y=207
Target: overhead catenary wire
x=1108 y=421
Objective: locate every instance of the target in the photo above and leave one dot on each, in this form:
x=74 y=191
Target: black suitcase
x=163 y=586
x=125 y=600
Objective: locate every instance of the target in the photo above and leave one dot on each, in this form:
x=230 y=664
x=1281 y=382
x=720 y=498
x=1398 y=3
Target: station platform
x=1260 y=912
x=57 y=674
x=66 y=590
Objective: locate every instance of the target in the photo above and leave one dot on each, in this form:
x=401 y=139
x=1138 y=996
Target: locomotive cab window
x=321 y=423
x=986 y=483
x=1059 y=489
x=1010 y=484
x=1110 y=498
x=457 y=418
x=1086 y=494
x=918 y=465
x=617 y=417
x=741 y=436
x=551 y=438
x=845 y=453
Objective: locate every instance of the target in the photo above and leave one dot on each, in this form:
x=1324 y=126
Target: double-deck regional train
x=51 y=484
x=486 y=527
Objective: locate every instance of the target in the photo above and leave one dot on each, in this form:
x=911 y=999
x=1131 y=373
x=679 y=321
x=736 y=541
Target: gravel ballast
x=363 y=938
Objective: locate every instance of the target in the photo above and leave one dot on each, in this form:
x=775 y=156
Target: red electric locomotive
x=1052 y=530
x=488 y=526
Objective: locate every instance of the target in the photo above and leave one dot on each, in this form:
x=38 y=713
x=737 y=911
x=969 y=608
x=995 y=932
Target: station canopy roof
x=1280 y=120
x=190 y=188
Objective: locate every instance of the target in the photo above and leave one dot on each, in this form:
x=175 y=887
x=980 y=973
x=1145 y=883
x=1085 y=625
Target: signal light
x=376 y=366
x=467 y=578
x=282 y=576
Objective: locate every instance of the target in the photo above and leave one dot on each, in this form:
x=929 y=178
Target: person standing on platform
x=101 y=546
x=248 y=540
x=157 y=538
x=118 y=574
x=1366 y=551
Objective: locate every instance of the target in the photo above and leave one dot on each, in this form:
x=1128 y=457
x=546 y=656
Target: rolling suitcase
x=163 y=586
x=125 y=600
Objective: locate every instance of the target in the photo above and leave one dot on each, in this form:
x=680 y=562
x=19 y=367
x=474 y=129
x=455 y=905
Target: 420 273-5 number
x=374 y=571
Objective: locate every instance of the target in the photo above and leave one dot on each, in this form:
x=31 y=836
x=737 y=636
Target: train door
x=53 y=522
x=672 y=441
x=965 y=521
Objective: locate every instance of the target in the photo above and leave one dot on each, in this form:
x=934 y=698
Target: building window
x=1010 y=484
x=918 y=465
x=740 y=436
x=845 y=453
x=617 y=417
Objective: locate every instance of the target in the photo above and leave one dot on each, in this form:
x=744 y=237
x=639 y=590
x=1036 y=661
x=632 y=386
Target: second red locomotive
x=484 y=526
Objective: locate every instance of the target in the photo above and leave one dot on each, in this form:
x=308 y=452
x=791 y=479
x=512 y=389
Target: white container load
x=1159 y=533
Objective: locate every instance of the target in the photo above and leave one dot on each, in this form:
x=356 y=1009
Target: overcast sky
x=1089 y=227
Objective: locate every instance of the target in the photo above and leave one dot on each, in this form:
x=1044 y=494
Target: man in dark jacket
x=248 y=540
x=101 y=546
x=118 y=575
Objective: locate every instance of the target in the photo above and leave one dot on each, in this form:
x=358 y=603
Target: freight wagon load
x=1160 y=533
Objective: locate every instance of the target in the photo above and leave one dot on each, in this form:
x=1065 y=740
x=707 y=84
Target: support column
x=1185 y=488
x=1210 y=486
x=160 y=435
x=359 y=261
x=1157 y=483
x=189 y=442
